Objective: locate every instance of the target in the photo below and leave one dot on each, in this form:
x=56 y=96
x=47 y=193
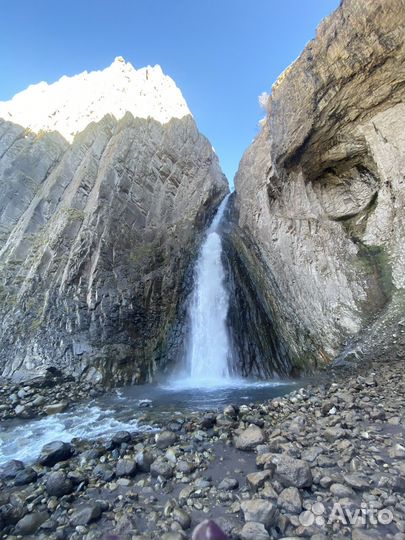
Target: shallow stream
x=131 y=408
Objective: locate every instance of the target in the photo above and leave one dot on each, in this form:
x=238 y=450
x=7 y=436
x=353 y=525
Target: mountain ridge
x=116 y=90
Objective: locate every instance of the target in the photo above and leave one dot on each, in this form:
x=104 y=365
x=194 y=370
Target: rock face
x=318 y=241
x=97 y=236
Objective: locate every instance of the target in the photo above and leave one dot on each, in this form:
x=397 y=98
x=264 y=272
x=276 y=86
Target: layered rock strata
x=98 y=234
x=320 y=194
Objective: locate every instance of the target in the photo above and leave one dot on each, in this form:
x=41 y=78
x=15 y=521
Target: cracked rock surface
x=96 y=241
x=319 y=221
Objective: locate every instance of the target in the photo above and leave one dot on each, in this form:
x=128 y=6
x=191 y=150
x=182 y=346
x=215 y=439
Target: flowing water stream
x=204 y=382
x=131 y=408
x=208 y=358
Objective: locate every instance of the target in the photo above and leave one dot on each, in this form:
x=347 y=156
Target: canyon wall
x=98 y=230
x=319 y=212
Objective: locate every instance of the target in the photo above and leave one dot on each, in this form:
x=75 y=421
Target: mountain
x=106 y=185
x=70 y=104
x=319 y=212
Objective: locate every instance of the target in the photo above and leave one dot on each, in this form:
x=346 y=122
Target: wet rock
x=145 y=403
x=104 y=472
x=57 y=484
x=30 y=523
x=86 y=513
x=26 y=476
x=55 y=452
x=290 y=500
x=260 y=511
x=11 y=469
x=92 y=454
x=38 y=401
x=249 y=438
x=23 y=411
x=254 y=531
x=121 y=437
x=231 y=411
x=12 y=513
x=56 y=408
x=126 y=467
x=165 y=439
x=208 y=421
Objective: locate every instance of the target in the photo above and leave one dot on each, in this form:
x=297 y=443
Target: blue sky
x=221 y=53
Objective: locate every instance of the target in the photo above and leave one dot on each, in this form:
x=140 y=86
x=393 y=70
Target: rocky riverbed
x=268 y=470
x=47 y=394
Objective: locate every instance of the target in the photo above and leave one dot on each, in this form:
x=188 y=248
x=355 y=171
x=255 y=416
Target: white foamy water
x=25 y=440
x=131 y=408
x=208 y=354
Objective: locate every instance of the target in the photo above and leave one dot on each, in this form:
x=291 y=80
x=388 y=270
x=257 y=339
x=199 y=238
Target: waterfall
x=208 y=352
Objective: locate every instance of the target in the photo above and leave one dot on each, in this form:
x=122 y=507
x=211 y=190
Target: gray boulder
x=30 y=523
x=57 y=484
x=55 y=452
x=250 y=438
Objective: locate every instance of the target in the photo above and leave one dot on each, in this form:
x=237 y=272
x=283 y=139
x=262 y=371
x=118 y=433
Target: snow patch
x=70 y=104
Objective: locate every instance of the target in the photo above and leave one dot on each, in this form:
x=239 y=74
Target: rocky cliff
x=103 y=198
x=319 y=214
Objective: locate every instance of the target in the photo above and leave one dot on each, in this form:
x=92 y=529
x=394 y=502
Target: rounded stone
x=57 y=484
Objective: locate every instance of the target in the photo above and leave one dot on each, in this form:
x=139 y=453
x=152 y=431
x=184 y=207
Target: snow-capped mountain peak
x=71 y=103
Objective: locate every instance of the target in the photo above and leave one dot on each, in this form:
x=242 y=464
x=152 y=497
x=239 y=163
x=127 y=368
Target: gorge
x=161 y=337
x=105 y=199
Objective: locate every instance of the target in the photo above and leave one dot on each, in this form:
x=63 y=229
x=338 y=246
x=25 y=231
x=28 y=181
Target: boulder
x=121 y=437
x=256 y=480
x=104 y=472
x=228 y=484
x=290 y=500
x=55 y=452
x=165 y=439
x=126 y=467
x=56 y=408
x=144 y=459
x=57 y=484
x=30 y=523
x=182 y=517
x=260 y=511
x=26 y=476
x=86 y=513
x=249 y=438
x=254 y=531
x=161 y=468
x=11 y=469
x=290 y=472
